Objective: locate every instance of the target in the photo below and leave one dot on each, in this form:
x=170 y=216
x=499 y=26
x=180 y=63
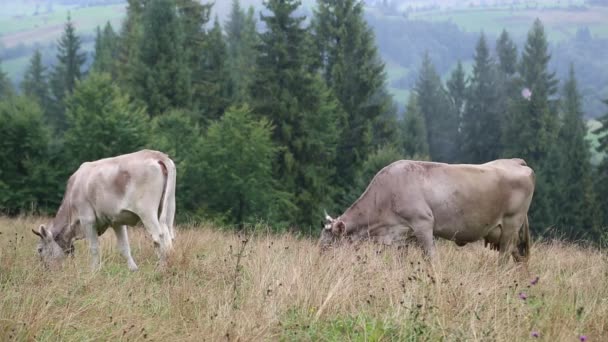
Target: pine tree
x=241 y=41
x=302 y=109
x=457 y=89
x=162 y=79
x=575 y=205
x=106 y=50
x=194 y=18
x=352 y=68
x=440 y=118
x=413 y=128
x=27 y=179
x=481 y=122
x=601 y=176
x=507 y=54
x=35 y=84
x=238 y=155
x=66 y=72
x=531 y=127
x=214 y=96
x=129 y=43
x=6 y=88
x=102 y=122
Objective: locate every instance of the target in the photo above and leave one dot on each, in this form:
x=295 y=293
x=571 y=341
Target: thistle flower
x=535 y=280
x=583 y=338
x=523 y=296
x=526 y=93
x=535 y=334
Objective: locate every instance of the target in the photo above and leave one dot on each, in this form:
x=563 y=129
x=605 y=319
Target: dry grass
x=283 y=289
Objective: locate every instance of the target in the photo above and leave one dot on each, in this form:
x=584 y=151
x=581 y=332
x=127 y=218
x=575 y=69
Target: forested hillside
x=278 y=116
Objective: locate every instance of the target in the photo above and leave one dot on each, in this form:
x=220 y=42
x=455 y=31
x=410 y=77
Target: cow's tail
x=524 y=240
x=167 y=206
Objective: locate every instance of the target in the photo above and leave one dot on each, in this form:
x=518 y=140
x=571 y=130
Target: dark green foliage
x=161 y=75
x=213 y=87
x=601 y=176
x=237 y=157
x=35 y=83
x=241 y=40
x=574 y=205
x=179 y=135
x=352 y=68
x=66 y=72
x=129 y=42
x=532 y=125
x=440 y=118
x=507 y=54
x=194 y=18
x=480 y=127
x=303 y=111
x=27 y=179
x=101 y=122
x=6 y=88
x=413 y=131
x=457 y=89
x=106 y=50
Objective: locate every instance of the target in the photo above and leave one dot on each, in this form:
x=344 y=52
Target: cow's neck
x=363 y=214
x=61 y=228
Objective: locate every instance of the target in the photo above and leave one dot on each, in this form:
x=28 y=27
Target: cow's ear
x=338 y=228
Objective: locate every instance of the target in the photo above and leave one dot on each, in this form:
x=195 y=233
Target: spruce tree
x=352 y=68
x=6 y=88
x=35 y=83
x=106 y=50
x=440 y=118
x=162 y=78
x=413 y=129
x=27 y=179
x=66 y=72
x=129 y=42
x=102 y=122
x=302 y=110
x=575 y=205
x=532 y=123
x=480 y=121
x=457 y=89
x=601 y=176
x=214 y=96
x=241 y=41
x=507 y=54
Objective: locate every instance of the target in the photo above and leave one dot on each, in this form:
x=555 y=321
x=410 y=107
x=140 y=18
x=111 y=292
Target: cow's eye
x=39 y=250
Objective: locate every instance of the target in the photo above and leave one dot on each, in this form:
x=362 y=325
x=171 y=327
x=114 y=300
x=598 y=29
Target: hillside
x=222 y=286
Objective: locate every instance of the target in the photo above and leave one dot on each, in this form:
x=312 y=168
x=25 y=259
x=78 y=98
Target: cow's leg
x=508 y=238
x=93 y=241
x=423 y=230
x=160 y=236
x=122 y=241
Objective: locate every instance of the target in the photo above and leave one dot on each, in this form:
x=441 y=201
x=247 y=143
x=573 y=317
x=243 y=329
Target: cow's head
x=333 y=229
x=51 y=253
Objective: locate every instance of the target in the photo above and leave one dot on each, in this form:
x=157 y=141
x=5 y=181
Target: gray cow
x=459 y=202
x=114 y=192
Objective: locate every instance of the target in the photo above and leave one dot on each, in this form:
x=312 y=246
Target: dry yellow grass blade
x=278 y=287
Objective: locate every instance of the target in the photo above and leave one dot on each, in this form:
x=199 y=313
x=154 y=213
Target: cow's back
x=110 y=186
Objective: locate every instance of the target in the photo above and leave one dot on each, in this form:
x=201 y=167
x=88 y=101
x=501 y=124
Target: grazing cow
x=117 y=192
x=459 y=202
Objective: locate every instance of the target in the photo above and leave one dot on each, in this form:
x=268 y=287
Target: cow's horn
x=37 y=233
x=327 y=217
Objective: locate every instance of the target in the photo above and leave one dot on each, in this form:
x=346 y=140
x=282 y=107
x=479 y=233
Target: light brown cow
x=114 y=192
x=459 y=202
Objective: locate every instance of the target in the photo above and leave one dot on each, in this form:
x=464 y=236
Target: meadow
x=221 y=285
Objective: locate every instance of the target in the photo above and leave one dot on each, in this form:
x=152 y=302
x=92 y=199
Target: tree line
x=278 y=124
